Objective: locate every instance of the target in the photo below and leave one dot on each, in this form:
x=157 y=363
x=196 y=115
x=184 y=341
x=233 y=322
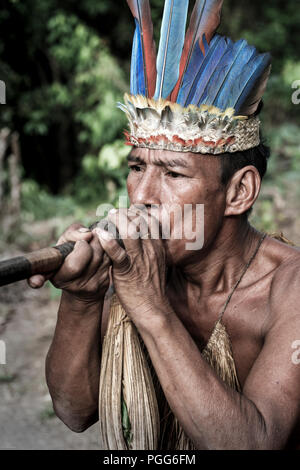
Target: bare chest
x=245 y=320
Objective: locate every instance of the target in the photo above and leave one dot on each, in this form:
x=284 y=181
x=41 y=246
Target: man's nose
x=148 y=189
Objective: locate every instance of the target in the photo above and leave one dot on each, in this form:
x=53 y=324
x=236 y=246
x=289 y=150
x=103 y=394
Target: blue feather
x=191 y=74
x=170 y=46
x=248 y=79
x=137 y=76
x=204 y=21
x=217 y=49
x=232 y=86
x=221 y=72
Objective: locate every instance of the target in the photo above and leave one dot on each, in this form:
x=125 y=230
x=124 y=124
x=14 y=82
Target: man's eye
x=135 y=168
x=172 y=174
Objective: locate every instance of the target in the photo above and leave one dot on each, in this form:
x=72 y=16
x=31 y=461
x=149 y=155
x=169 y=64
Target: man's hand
x=139 y=271
x=85 y=272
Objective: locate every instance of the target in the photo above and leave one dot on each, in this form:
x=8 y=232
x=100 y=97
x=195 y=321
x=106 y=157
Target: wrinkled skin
x=176 y=317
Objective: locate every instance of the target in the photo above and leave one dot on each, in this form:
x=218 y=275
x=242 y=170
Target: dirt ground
x=27 y=421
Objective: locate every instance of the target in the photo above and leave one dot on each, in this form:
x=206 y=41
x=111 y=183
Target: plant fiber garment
x=133 y=411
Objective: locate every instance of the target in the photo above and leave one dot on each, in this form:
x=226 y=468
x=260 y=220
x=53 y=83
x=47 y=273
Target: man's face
x=170 y=179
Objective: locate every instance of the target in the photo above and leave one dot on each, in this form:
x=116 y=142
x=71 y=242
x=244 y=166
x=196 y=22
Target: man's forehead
x=166 y=157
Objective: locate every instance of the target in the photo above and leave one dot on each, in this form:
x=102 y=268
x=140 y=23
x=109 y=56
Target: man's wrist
x=80 y=305
x=153 y=315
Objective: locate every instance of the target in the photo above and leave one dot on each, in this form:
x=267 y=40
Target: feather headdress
x=202 y=92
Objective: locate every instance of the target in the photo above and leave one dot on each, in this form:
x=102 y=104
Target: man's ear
x=242 y=190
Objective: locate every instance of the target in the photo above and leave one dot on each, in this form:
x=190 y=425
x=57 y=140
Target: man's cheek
x=175 y=251
x=171 y=220
x=129 y=185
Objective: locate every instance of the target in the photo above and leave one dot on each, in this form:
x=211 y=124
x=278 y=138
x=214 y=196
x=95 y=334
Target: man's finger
x=75 y=263
x=98 y=253
x=74 y=233
x=126 y=227
x=36 y=281
x=116 y=253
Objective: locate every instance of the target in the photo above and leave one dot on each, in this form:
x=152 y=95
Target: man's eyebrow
x=134 y=159
x=170 y=162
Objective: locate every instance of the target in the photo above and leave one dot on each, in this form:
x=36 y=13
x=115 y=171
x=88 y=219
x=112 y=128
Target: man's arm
x=73 y=362
x=213 y=415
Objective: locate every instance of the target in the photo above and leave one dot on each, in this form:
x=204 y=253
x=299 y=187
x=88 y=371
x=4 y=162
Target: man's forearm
x=73 y=362
x=213 y=415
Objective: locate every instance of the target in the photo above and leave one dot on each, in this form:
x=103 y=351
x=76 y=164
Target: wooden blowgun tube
x=44 y=261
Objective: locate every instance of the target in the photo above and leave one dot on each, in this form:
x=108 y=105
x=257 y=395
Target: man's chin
x=177 y=254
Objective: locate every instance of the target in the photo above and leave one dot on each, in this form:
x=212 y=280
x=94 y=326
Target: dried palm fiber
x=128 y=383
x=126 y=387
x=282 y=238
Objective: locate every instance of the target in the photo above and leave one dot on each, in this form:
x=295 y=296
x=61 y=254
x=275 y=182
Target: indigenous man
x=220 y=324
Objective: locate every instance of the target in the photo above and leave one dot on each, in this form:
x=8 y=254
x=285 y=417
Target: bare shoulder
x=285 y=284
x=288 y=264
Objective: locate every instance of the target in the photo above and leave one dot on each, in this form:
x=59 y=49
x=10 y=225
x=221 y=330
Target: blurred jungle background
x=65 y=64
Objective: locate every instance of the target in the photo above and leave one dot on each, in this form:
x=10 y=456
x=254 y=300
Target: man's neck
x=221 y=262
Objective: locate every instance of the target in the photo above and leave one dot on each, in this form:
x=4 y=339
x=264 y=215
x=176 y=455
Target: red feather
x=141 y=12
x=205 y=19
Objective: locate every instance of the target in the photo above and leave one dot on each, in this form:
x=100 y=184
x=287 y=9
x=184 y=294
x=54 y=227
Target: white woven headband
x=166 y=125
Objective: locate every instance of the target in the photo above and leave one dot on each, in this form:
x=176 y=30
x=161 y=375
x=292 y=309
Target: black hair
x=230 y=163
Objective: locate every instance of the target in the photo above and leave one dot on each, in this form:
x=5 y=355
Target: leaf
x=126 y=425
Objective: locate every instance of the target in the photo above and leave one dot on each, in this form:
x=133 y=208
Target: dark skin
x=176 y=319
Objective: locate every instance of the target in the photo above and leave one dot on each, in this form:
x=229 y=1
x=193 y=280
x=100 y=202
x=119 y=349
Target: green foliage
x=95 y=82
x=112 y=156
x=39 y=204
x=102 y=178
x=7 y=378
x=55 y=293
x=63 y=92
x=47 y=413
x=87 y=82
x=285 y=156
x=263 y=218
x=291 y=71
x=278 y=204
